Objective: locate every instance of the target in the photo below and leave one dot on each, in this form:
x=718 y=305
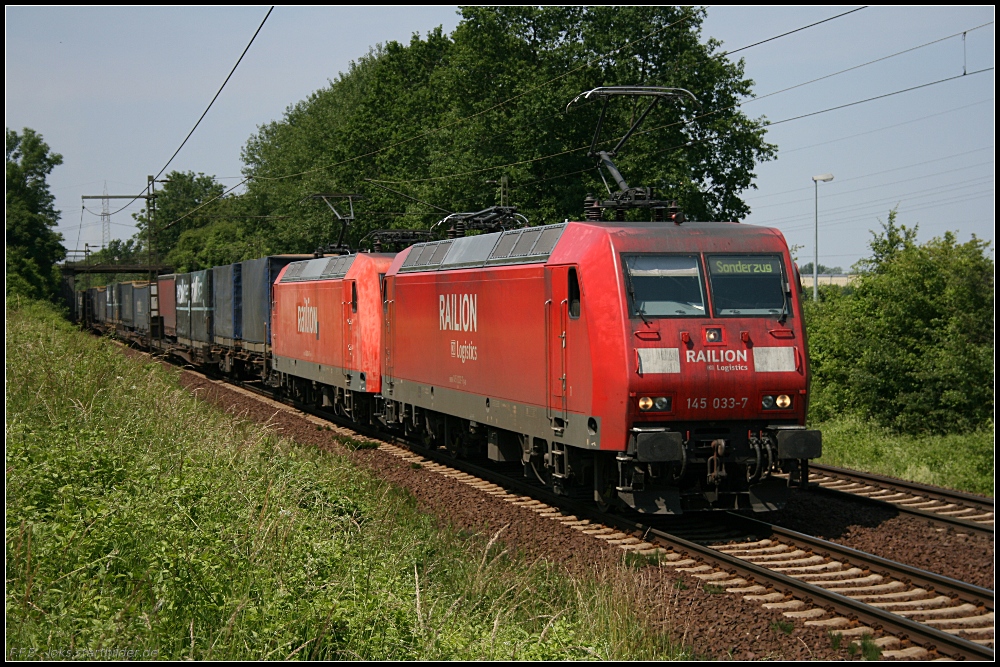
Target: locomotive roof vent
x=627 y=197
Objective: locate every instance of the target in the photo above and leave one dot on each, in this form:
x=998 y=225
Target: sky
x=116 y=90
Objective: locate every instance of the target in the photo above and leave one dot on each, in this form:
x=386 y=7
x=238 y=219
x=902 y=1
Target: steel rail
x=961 y=589
x=919 y=490
x=931 y=638
x=915 y=488
x=939 y=519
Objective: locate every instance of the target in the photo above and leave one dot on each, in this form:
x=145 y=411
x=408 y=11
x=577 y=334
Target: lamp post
x=816 y=179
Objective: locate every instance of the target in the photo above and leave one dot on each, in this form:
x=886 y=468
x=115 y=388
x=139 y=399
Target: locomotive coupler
x=716 y=468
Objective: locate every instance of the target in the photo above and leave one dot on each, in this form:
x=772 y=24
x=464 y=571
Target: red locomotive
x=326 y=340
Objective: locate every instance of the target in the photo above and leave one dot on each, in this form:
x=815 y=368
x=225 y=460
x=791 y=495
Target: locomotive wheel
x=453 y=445
x=605 y=474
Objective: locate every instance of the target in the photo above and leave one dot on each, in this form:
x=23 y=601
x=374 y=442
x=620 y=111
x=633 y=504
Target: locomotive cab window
x=354 y=297
x=664 y=285
x=748 y=285
x=574 y=295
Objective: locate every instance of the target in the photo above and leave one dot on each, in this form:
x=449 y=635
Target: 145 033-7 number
x=717 y=403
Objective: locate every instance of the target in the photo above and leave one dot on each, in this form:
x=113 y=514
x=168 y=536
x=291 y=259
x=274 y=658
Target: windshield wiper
x=785 y=293
x=631 y=293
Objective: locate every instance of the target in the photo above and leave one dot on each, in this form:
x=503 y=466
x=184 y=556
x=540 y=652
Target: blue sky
x=115 y=90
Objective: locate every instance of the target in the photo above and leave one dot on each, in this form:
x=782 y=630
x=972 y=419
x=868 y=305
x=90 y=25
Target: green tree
x=443 y=117
x=33 y=246
x=182 y=193
x=912 y=345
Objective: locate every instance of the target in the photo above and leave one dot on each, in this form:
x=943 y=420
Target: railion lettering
x=458 y=312
x=716 y=356
x=308 y=319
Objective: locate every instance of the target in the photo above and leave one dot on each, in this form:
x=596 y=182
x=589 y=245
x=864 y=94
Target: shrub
x=911 y=345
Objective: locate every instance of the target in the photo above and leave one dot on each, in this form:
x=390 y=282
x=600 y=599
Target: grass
x=782 y=627
x=959 y=461
x=139 y=519
x=869 y=649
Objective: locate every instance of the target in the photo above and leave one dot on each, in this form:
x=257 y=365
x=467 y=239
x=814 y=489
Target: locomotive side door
x=350 y=318
x=557 y=343
x=389 y=313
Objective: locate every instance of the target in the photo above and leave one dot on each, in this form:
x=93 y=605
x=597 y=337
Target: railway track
x=941 y=506
x=821 y=584
x=906 y=612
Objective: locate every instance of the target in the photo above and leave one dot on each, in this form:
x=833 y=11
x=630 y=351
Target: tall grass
x=141 y=519
x=958 y=461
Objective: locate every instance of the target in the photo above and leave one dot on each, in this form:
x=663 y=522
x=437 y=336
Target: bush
x=911 y=345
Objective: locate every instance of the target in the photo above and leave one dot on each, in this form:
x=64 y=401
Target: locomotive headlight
x=662 y=403
x=645 y=403
x=767 y=403
x=783 y=401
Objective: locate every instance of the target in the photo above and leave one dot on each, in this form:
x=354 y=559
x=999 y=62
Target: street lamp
x=826 y=178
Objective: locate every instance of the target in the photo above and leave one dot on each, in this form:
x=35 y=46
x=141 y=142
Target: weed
x=354 y=444
x=835 y=639
x=713 y=589
x=785 y=627
x=638 y=560
x=416 y=466
x=852 y=649
x=680 y=585
x=869 y=649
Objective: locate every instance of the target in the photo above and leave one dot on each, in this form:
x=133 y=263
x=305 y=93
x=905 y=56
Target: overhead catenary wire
x=878 y=173
x=205 y=112
x=881 y=201
x=791 y=32
x=786 y=151
x=841 y=193
x=686 y=144
x=879 y=97
x=899 y=207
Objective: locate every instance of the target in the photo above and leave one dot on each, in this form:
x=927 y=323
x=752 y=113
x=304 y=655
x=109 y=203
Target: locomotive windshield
x=664 y=285
x=747 y=285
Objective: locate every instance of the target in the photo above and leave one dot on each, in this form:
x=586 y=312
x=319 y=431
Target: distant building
x=828 y=279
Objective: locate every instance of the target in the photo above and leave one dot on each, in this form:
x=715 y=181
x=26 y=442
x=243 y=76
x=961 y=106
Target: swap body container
x=167 y=297
x=257 y=278
x=328 y=320
x=202 y=310
x=140 y=307
x=127 y=316
x=182 y=295
x=100 y=304
x=227 y=288
x=114 y=299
